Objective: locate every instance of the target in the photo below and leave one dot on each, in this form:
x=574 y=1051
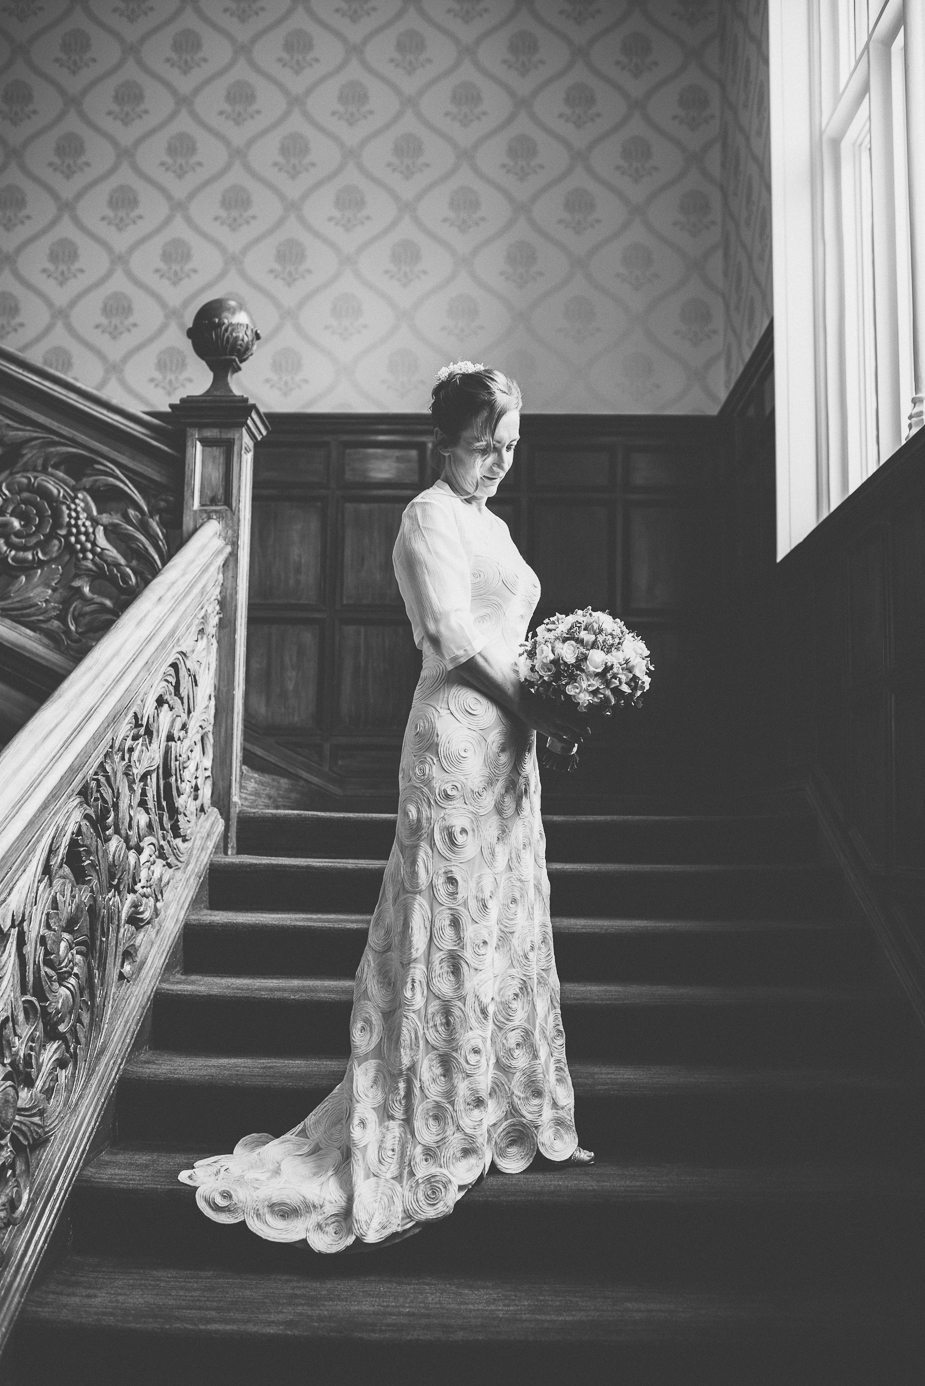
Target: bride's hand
x=550 y=719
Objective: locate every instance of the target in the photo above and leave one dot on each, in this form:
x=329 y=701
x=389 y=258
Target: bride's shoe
x=578 y=1158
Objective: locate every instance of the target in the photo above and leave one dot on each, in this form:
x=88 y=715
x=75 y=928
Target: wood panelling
x=573 y=574
x=661 y=468
x=836 y=632
x=821 y=702
x=909 y=788
x=792 y=670
x=674 y=652
x=377 y=667
x=366 y=762
x=668 y=556
x=838 y=595
x=287 y=551
x=869 y=771
x=283 y=674
x=867 y=626
x=371 y=466
x=214 y=462
x=587 y=467
x=618 y=514
x=368 y=530
x=287 y=468
x=907 y=584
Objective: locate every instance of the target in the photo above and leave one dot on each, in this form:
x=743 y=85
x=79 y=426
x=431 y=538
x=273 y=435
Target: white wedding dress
x=457 y=1052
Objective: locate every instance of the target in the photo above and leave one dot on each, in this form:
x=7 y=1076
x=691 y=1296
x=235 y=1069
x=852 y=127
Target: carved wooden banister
x=106 y=829
x=90 y=504
x=93 y=499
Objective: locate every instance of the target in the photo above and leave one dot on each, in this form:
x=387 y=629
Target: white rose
x=570 y=651
x=596 y=661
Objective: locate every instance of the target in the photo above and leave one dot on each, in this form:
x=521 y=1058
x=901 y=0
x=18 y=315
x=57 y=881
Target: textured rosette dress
x=457 y=1051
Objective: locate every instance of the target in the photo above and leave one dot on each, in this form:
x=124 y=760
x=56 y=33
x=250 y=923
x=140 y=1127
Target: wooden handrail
x=149 y=449
x=106 y=830
x=54 y=751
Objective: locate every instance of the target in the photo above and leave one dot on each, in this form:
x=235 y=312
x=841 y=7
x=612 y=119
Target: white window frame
x=836 y=220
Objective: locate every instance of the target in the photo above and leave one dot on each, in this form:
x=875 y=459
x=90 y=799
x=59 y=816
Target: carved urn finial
x=223 y=336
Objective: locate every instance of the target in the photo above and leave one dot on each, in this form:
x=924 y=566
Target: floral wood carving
x=74 y=928
x=78 y=541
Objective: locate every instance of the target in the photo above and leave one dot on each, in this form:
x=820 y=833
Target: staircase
x=742 y=1068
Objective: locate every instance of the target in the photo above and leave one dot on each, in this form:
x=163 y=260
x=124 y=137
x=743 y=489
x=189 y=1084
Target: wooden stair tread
x=248 y=861
x=154 y=1169
x=206 y=918
x=342 y=815
x=166 y=1066
x=381 y=1306
x=294 y=989
x=725 y=1211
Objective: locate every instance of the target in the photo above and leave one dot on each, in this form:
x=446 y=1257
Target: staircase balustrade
x=122 y=679
x=106 y=830
x=90 y=508
x=93 y=500
x=89 y=505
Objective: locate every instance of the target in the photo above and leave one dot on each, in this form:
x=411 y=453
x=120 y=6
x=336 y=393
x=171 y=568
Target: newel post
x=222 y=429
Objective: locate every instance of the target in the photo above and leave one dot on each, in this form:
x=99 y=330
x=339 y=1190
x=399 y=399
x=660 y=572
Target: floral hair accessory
x=458 y=368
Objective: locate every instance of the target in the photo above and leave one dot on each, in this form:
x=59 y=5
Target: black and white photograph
x=462 y=692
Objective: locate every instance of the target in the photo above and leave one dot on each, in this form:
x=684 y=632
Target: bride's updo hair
x=465 y=397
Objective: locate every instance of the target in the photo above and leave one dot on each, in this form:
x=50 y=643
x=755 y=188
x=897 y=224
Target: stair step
x=603 y=1020
x=743 y=951
x=644 y=1112
x=149 y=1169
x=176 y=1324
x=592 y=888
x=803 y=1220
x=569 y=837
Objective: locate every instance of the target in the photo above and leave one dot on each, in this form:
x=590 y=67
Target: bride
x=457 y=1051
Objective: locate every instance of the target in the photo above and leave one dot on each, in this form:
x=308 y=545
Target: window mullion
x=867 y=455
x=915 y=144
x=851 y=291
x=831 y=65
x=795 y=176
x=835 y=321
x=901 y=222
x=889 y=405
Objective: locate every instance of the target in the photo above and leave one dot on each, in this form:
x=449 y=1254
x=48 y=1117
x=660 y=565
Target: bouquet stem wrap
x=560 y=755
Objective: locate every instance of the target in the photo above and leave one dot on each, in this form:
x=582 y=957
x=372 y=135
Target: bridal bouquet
x=589 y=659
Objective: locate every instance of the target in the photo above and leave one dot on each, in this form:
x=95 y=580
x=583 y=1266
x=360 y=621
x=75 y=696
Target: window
x=844 y=309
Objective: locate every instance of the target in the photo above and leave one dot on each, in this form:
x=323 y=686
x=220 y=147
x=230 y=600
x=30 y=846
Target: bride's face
x=475 y=466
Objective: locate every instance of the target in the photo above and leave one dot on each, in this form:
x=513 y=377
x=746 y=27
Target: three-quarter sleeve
x=432 y=571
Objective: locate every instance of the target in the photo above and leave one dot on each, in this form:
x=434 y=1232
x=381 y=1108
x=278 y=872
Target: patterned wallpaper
x=388 y=184
x=745 y=163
